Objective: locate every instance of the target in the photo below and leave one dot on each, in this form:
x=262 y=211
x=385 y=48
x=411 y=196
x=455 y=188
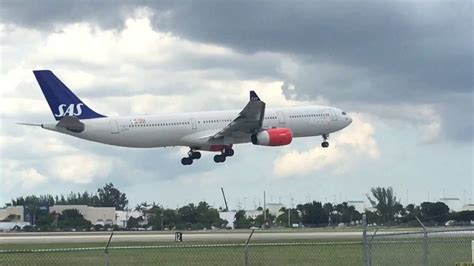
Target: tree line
x=386 y=210
x=107 y=196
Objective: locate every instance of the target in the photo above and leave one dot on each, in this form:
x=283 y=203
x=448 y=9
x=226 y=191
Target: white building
x=96 y=215
x=18 y=212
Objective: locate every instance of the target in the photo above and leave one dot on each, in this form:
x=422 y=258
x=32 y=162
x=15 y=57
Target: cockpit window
x=343 y=113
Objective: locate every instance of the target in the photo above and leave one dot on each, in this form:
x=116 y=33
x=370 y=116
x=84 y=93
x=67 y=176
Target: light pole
x=289 y=218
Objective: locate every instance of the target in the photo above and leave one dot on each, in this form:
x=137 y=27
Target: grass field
x=346 y=253
x=385 y=251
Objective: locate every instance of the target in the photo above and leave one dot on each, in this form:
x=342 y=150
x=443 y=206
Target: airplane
x=214 y=131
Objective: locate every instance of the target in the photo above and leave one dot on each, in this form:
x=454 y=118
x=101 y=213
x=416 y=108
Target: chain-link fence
x=298 y=253
x=381 y=248
x=420 y=248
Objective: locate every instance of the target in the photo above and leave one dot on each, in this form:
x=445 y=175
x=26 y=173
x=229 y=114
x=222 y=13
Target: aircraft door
x=114 y=128
x=281 y=118
x=193 y=123
x=333 y=115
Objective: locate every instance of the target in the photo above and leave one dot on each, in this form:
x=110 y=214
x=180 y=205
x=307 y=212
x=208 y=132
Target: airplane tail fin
x=61 y=99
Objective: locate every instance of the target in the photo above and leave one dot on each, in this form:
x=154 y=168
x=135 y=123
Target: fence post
x=364 y=240
x=106 y=251
x=246 y=250
x=425 y=242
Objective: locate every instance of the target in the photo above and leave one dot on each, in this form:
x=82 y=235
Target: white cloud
x=80 y=168
x=347 y=147
x=17 y=175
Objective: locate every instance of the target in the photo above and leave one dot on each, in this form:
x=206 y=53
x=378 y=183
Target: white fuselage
x=194 y=129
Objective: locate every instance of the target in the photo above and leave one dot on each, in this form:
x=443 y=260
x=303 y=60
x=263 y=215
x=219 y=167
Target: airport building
x=13 y=213
x=96 y=215
x=12 y=217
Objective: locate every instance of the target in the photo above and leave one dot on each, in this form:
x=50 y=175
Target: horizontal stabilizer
x=71 y=123
x=29 y=124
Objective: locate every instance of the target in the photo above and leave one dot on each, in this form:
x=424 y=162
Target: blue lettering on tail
x=60 y=98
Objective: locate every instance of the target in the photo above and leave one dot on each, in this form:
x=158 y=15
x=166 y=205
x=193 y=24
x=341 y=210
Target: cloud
x=404 y=67
x=25 y=178
x=80 y=168
x=354 y=142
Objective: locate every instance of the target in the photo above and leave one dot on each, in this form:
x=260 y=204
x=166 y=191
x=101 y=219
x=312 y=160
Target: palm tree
x=385 y=202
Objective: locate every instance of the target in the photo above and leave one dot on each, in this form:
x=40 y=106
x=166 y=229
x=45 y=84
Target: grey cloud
x=48 y=14
x=382 y=52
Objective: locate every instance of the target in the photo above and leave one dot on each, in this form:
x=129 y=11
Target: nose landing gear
x=325 y=143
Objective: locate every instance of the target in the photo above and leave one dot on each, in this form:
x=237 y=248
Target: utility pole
x=225 y=201
x=264 y=209
x=289 y=218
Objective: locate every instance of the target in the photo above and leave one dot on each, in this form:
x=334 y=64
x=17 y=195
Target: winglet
x=254 y=96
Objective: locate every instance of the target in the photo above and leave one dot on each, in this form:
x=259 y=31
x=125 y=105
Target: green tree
x=241 y=221
x=260 y=219
x=463 y=217
x=345 y=214
x=188 y=215
x=437 y=212
x=282 y=219
x=109 y=196
x=313 y=214
x=72 y=218
x=207 y=216
x=384 y=201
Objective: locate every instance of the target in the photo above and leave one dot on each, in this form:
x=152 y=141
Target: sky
x=402 y=70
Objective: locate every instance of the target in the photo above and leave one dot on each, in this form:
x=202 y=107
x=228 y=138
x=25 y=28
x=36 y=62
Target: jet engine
x=273 y=137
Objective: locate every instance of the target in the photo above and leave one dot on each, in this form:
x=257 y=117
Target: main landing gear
x=192 y=155
x=195 y=155
x=227 y=152
x=325 y=143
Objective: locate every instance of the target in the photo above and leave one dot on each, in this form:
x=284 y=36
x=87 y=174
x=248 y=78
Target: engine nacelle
x=273 y=137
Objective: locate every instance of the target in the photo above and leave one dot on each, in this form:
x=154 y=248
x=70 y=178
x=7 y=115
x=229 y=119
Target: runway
x=234 y=236
x=229 y=236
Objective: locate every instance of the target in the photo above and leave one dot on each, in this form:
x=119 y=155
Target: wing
x=248 y=121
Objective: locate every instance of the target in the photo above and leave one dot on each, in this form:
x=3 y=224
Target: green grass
x=385 y=251
x=301 y=254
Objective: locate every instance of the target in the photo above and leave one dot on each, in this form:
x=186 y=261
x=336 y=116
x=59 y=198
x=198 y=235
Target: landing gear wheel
x=325 y=143
x=196 y=155
x=229 y=152
x=219 y=158
x=186 y=161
